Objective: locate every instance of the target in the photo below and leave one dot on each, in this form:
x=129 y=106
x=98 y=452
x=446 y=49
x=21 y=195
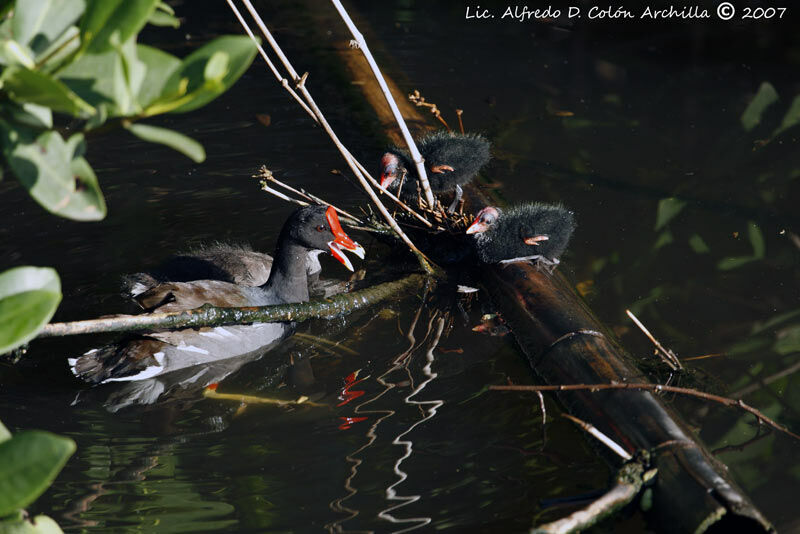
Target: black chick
x=532 y=231
x=451 y=160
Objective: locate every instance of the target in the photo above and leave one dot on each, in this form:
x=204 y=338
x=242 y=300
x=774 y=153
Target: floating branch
x=656 y=388
x=218 y=316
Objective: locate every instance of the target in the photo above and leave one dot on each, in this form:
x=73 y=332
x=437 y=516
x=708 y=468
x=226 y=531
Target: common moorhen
x=451 y=160
x=531 y=231
x=312 y=228
x=235 y=263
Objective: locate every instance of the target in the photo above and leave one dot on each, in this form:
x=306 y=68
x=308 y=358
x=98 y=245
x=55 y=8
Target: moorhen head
x=451 y=160
x=532 y=231
x=308 y=229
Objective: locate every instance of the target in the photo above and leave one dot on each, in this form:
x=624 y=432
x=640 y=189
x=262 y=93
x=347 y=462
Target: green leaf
x=112 y=78
x=161 y=18
x=62 y=183
x=107 y=23
x=25 y=85
x=698 y=245
x=667 y=209
x=12 y=53
x=38 y=23
x=788 y=341
x=765 y=97
x=41 y=524
x=730 y=263
x=159 y=67
x=791 y=118
x=61 y=49
x=756 y=239
x=188 y=88
x=177 y=141
x=32 y=115
x=29 y=462
x=664 y=239
x=4 y=433
x=29 y=297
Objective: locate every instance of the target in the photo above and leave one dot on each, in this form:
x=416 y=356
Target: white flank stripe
x=192 y=348
x=212 y=335
x=148 y=372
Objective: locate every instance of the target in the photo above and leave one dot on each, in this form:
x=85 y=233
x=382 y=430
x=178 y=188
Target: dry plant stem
x=667 y=355
x=320 y=118
x=266 y=174
x=283 y=81
x=602 y=438
x=412 y=147
x=656 y=388
x=268 y=189
x=460 y=112
x=542 y=407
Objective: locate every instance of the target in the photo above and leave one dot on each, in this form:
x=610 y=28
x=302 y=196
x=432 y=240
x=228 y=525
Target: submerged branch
x=628 y=483
x=208 y=315
x=656 y=388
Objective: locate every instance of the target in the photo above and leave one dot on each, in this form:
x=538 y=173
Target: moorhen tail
x=532 y=231
x=451 y=160
x=312 y=228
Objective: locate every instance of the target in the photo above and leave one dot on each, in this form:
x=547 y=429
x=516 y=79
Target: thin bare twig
x=764 y=382
x=602 y=438
x=668 y=356
x=460 y=112
x=656 y=388
x=265 y=174
x=419 y=101
x=542 y=407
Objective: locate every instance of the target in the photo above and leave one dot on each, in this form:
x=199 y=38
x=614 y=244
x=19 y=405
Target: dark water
x=654 y=112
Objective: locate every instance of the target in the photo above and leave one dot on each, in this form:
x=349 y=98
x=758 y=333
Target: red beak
x=341 y=241
x=477 y=226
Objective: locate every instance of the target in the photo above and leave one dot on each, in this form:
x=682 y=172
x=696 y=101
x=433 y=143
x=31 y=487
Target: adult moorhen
x=531 y=231
x=451 y=160
x=312 y=228
x=235 y=263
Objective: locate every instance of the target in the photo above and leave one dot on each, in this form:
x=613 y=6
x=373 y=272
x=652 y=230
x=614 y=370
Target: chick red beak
x=341 y=241
x=387 y=177
x=478 y=226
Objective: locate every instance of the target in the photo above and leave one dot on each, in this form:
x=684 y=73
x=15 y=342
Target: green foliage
x=28 y=298
x=29 y=462
x=183 y=144
x=667 y=209
x=765 y=97
x=759 y=250
x=80 y=58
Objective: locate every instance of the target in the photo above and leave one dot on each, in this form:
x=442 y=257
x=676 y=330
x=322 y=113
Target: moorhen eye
x=320 y=228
